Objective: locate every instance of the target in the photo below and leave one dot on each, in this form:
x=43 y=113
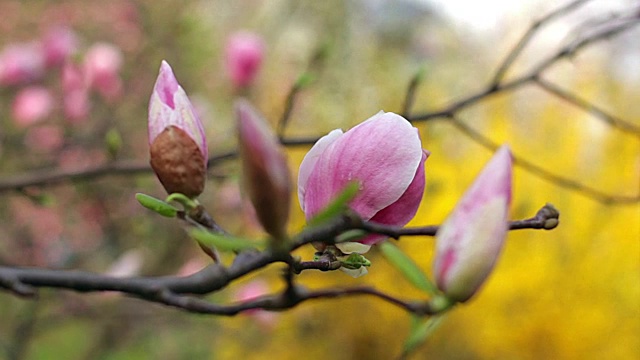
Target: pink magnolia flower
x=178 y=146
x=265 y=170
x=31 y=105
x=21 y=63
x=469 y=241
x=244 y=53
x=58 y=44
x=102 y=66
x=383 y=154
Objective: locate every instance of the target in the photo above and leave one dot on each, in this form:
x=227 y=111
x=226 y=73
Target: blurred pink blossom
x=58 y=44
x=21 y=63
x=383 y=154
x=44 y=138
x=76 y=104
x=244 y=53
x=192 y=266
x=44 y=226
x=31 y=105
x=252 y=290
x=102 y=64
x=79 y=158
x=471 y=238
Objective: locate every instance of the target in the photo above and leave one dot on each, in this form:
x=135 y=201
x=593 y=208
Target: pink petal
x=382 y=153
x=402 y=211
x=310 y=159
x=170 y=105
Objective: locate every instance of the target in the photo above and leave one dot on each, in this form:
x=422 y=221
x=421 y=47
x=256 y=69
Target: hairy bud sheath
x=178 y=148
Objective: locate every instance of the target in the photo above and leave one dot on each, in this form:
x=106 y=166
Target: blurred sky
x=489 y=15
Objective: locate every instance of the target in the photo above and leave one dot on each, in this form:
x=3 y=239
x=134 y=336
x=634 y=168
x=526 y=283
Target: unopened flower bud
x=177 y=142
x=265 y=170
x=244 y=53
x=470 y=240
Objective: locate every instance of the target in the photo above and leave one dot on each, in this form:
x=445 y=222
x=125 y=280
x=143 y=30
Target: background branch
x=496 y=85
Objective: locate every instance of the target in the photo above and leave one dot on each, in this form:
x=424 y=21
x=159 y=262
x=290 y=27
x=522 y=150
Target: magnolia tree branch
x=183 y=292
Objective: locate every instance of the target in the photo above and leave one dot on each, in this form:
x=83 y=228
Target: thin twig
x=543 y=173
x=583 y=104
x=528 y=36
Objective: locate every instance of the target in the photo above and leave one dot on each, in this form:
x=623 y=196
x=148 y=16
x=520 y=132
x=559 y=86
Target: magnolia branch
x=183 y=292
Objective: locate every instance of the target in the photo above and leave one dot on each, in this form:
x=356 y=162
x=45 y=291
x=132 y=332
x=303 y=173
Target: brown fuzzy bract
x=178 y=162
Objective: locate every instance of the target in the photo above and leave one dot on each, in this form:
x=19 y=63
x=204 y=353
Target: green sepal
x=355 y=261
x=420 y=331
x=338 y=206
x=407 y=267
x=223 y=242
x=182 y=199
x=156 y=205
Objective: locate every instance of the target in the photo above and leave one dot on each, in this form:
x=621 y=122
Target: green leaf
x=305 y=80
x=223 y=242
x=156 y=205
x=407 y=267
x=338 y=205
x=355 y=261
x=420 y=332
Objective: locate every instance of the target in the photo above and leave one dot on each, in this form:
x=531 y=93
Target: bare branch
x=544 y=174
x=528 y=36
x=178 y=291
x=585 y=105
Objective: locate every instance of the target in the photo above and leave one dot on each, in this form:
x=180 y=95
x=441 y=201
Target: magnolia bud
x=244 y=53
x=470 y=239
x=178 y=146
x=266 y=173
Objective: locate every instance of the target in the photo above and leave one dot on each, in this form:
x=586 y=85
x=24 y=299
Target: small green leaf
x=223 y=242
x=355 y=261
x=407 y=267
x=156 y=205
x=113 y=141
x=338 y=205
x=304 y=80
x=420 y=332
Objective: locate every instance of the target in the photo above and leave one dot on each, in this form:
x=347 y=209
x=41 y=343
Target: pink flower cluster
x=29 y=68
